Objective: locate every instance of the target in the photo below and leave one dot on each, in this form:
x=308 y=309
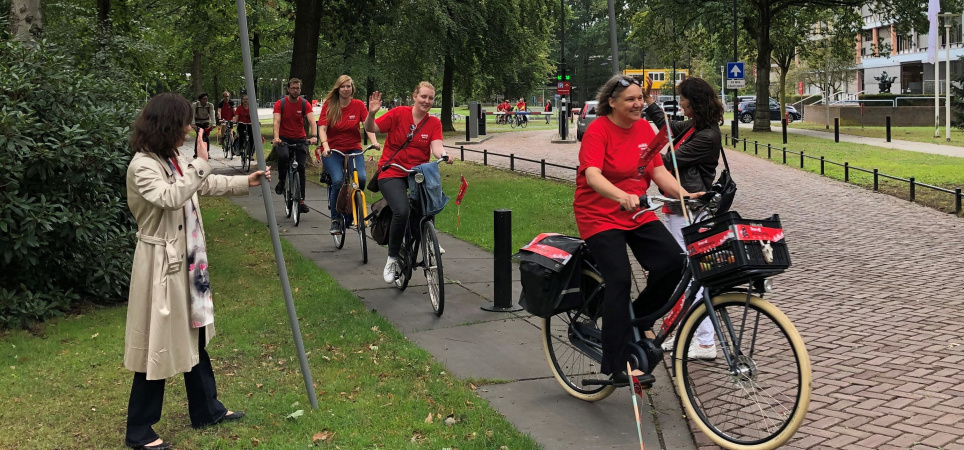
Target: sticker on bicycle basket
x=555 y=254
x=706 y=244
x=755 y=233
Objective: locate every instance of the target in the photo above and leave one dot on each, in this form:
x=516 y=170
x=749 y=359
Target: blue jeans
x=334 y=164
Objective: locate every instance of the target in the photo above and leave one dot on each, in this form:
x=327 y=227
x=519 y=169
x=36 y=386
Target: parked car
x=748 y=110
x=670 y=107
x=586 y=116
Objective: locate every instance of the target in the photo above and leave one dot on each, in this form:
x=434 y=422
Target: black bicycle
x=757 y=394
x=245 y=148
x=228 y=140
x=420 y=235
x=521 y=119
x=292 y=191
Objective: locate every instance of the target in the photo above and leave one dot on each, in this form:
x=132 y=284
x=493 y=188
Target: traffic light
x=561 y=74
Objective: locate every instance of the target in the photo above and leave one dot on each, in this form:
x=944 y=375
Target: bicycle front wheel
x=433 y=268
x=289 y=199
x=759 y=403
x=360 y=224
x=570 y=365
x=296 y=194
x=246 y=155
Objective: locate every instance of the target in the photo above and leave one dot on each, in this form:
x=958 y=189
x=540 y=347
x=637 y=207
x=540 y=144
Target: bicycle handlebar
x=438 y=161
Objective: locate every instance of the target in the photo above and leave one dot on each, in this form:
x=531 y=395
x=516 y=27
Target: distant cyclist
x=202 y=118
x=242 y=117
x=521 y=107
x=225 y=112
x=338 y=128
x=290 y=114
x=420 y=133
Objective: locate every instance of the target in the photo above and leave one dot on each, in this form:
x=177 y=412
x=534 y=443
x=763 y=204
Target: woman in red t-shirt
x=615 y=168
x=242 y=117
x=338 y=128
x=403 y=124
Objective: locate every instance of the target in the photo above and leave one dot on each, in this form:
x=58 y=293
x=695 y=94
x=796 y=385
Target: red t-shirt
x=243 y=114
x=227 y=112
x=293 y=118
x=521 y=106
x=397 y=123
x=344 y=135
x=615 y=151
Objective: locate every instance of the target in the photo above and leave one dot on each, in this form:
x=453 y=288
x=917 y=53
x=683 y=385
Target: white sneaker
x=441 y=250
x=699 y=352
x=391 y=268
x=668 y=345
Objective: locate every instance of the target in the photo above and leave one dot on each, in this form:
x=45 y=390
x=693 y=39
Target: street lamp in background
x=947 y=86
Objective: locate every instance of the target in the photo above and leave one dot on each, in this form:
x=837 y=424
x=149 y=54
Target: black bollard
x=888 y=128
x=502 y=263
x=836 y=129
x=784 y=131
x=735 y=126
x=481 y=121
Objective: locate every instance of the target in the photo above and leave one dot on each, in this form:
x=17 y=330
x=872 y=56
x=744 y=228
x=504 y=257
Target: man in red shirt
x=225 y=113
x=521 y=107
x=289 y=127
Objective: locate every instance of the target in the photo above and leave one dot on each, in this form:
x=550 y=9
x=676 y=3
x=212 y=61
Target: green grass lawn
x=64 y=384
x=915 y=134
x=937 y=170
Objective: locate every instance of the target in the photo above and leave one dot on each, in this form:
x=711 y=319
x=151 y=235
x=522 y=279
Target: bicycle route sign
x=735 y=75
x=563 y=87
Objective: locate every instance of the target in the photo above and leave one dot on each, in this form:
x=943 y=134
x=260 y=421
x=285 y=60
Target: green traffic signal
x=558 y=77
x=567 y=77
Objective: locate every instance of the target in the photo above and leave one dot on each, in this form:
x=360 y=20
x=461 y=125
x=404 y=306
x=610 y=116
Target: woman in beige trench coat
x=170 y=312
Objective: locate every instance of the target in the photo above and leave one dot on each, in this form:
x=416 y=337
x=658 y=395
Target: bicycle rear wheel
x=764 y=403
x=569 y=364
x=360 y=224
x=289 y=199
x=246 y=155
x=296 y=194
x=433 y=268
x=224 y=139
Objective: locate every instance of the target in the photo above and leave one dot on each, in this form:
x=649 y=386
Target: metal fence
x=512 y=160
x=912 y=183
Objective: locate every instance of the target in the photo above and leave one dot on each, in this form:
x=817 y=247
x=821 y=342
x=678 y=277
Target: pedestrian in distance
x=170 y=312
x=697 y=144
x=615 y=169
x=203 y=118
x=548 y=109
x=338 y=128
x=413 y=136
x=290 y=114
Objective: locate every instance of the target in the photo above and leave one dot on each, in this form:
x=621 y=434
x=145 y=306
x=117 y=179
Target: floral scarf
x=202 y=303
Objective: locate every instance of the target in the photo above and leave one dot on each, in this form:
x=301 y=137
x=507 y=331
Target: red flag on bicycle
x=462 y=189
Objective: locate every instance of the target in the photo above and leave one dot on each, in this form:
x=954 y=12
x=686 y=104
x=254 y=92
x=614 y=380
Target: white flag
x=933 y=9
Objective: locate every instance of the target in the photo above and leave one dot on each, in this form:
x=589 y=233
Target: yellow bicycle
x=357 y=204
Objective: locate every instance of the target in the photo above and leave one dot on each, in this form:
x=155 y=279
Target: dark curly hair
x=159 y=129
x=703 y=100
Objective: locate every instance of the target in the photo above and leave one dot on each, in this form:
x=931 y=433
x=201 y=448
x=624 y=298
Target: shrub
x=65 y=231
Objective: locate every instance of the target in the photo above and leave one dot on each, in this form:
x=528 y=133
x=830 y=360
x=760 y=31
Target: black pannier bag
x=550 y=265
x=381 y=221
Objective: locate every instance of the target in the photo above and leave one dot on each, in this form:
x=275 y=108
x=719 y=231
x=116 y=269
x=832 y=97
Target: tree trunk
x=26 y=22
x=761 y=121
x=783 y=91
x=196 y=73
x=304 y=52
x=448 y=72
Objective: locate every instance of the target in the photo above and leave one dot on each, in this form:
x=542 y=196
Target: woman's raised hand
x=374 y=102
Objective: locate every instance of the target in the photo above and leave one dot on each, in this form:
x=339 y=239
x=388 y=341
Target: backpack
x=381 y=221
x=725 y=187
x=551 y=266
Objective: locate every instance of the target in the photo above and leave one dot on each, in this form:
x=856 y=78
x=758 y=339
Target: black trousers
x=658 y=253
x=147 y=397
x=301 y=155
x=395 y=192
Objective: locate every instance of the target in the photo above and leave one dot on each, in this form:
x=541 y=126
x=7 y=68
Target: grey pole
x=269 y=209
x=612 y=37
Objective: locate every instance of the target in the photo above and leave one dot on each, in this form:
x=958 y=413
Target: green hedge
x=65 y=231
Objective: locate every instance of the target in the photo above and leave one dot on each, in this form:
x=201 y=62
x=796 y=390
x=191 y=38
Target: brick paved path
x=876 y=289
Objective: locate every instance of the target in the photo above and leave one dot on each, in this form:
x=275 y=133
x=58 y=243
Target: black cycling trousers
x=658 y=253
x=301 y=155
x=395 y=192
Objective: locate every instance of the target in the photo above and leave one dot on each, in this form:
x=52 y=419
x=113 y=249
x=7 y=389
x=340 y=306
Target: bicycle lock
x=502 y=264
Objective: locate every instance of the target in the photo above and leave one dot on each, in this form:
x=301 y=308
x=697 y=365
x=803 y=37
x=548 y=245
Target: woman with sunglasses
x=697 y=144
x=413 y=136
x=615 y=169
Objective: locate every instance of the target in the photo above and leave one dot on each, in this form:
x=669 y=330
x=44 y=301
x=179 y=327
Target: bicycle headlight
x=768 y=285
x=419 y=178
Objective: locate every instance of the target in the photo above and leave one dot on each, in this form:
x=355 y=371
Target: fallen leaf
x=429 y=418
x=259 y=385
x=95 y=335
x=295 y=414
x=450 y=420
x=255 y=442
x=472 y=386
x=325 y=435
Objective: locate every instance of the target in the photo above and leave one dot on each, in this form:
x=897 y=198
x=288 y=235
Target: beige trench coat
x=159 y=338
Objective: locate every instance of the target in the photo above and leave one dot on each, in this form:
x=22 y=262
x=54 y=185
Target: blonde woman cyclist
x=338 y=128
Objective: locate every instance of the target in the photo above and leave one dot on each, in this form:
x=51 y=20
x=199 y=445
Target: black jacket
x=697 y=157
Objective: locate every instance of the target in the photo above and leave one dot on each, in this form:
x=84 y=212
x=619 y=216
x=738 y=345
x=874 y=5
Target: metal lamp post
x=947 y=74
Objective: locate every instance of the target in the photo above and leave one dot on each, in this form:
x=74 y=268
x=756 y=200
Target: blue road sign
x=735 y=75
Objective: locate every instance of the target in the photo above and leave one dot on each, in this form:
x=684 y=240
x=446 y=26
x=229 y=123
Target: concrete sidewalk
x=911 y=146
x=472 y=343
